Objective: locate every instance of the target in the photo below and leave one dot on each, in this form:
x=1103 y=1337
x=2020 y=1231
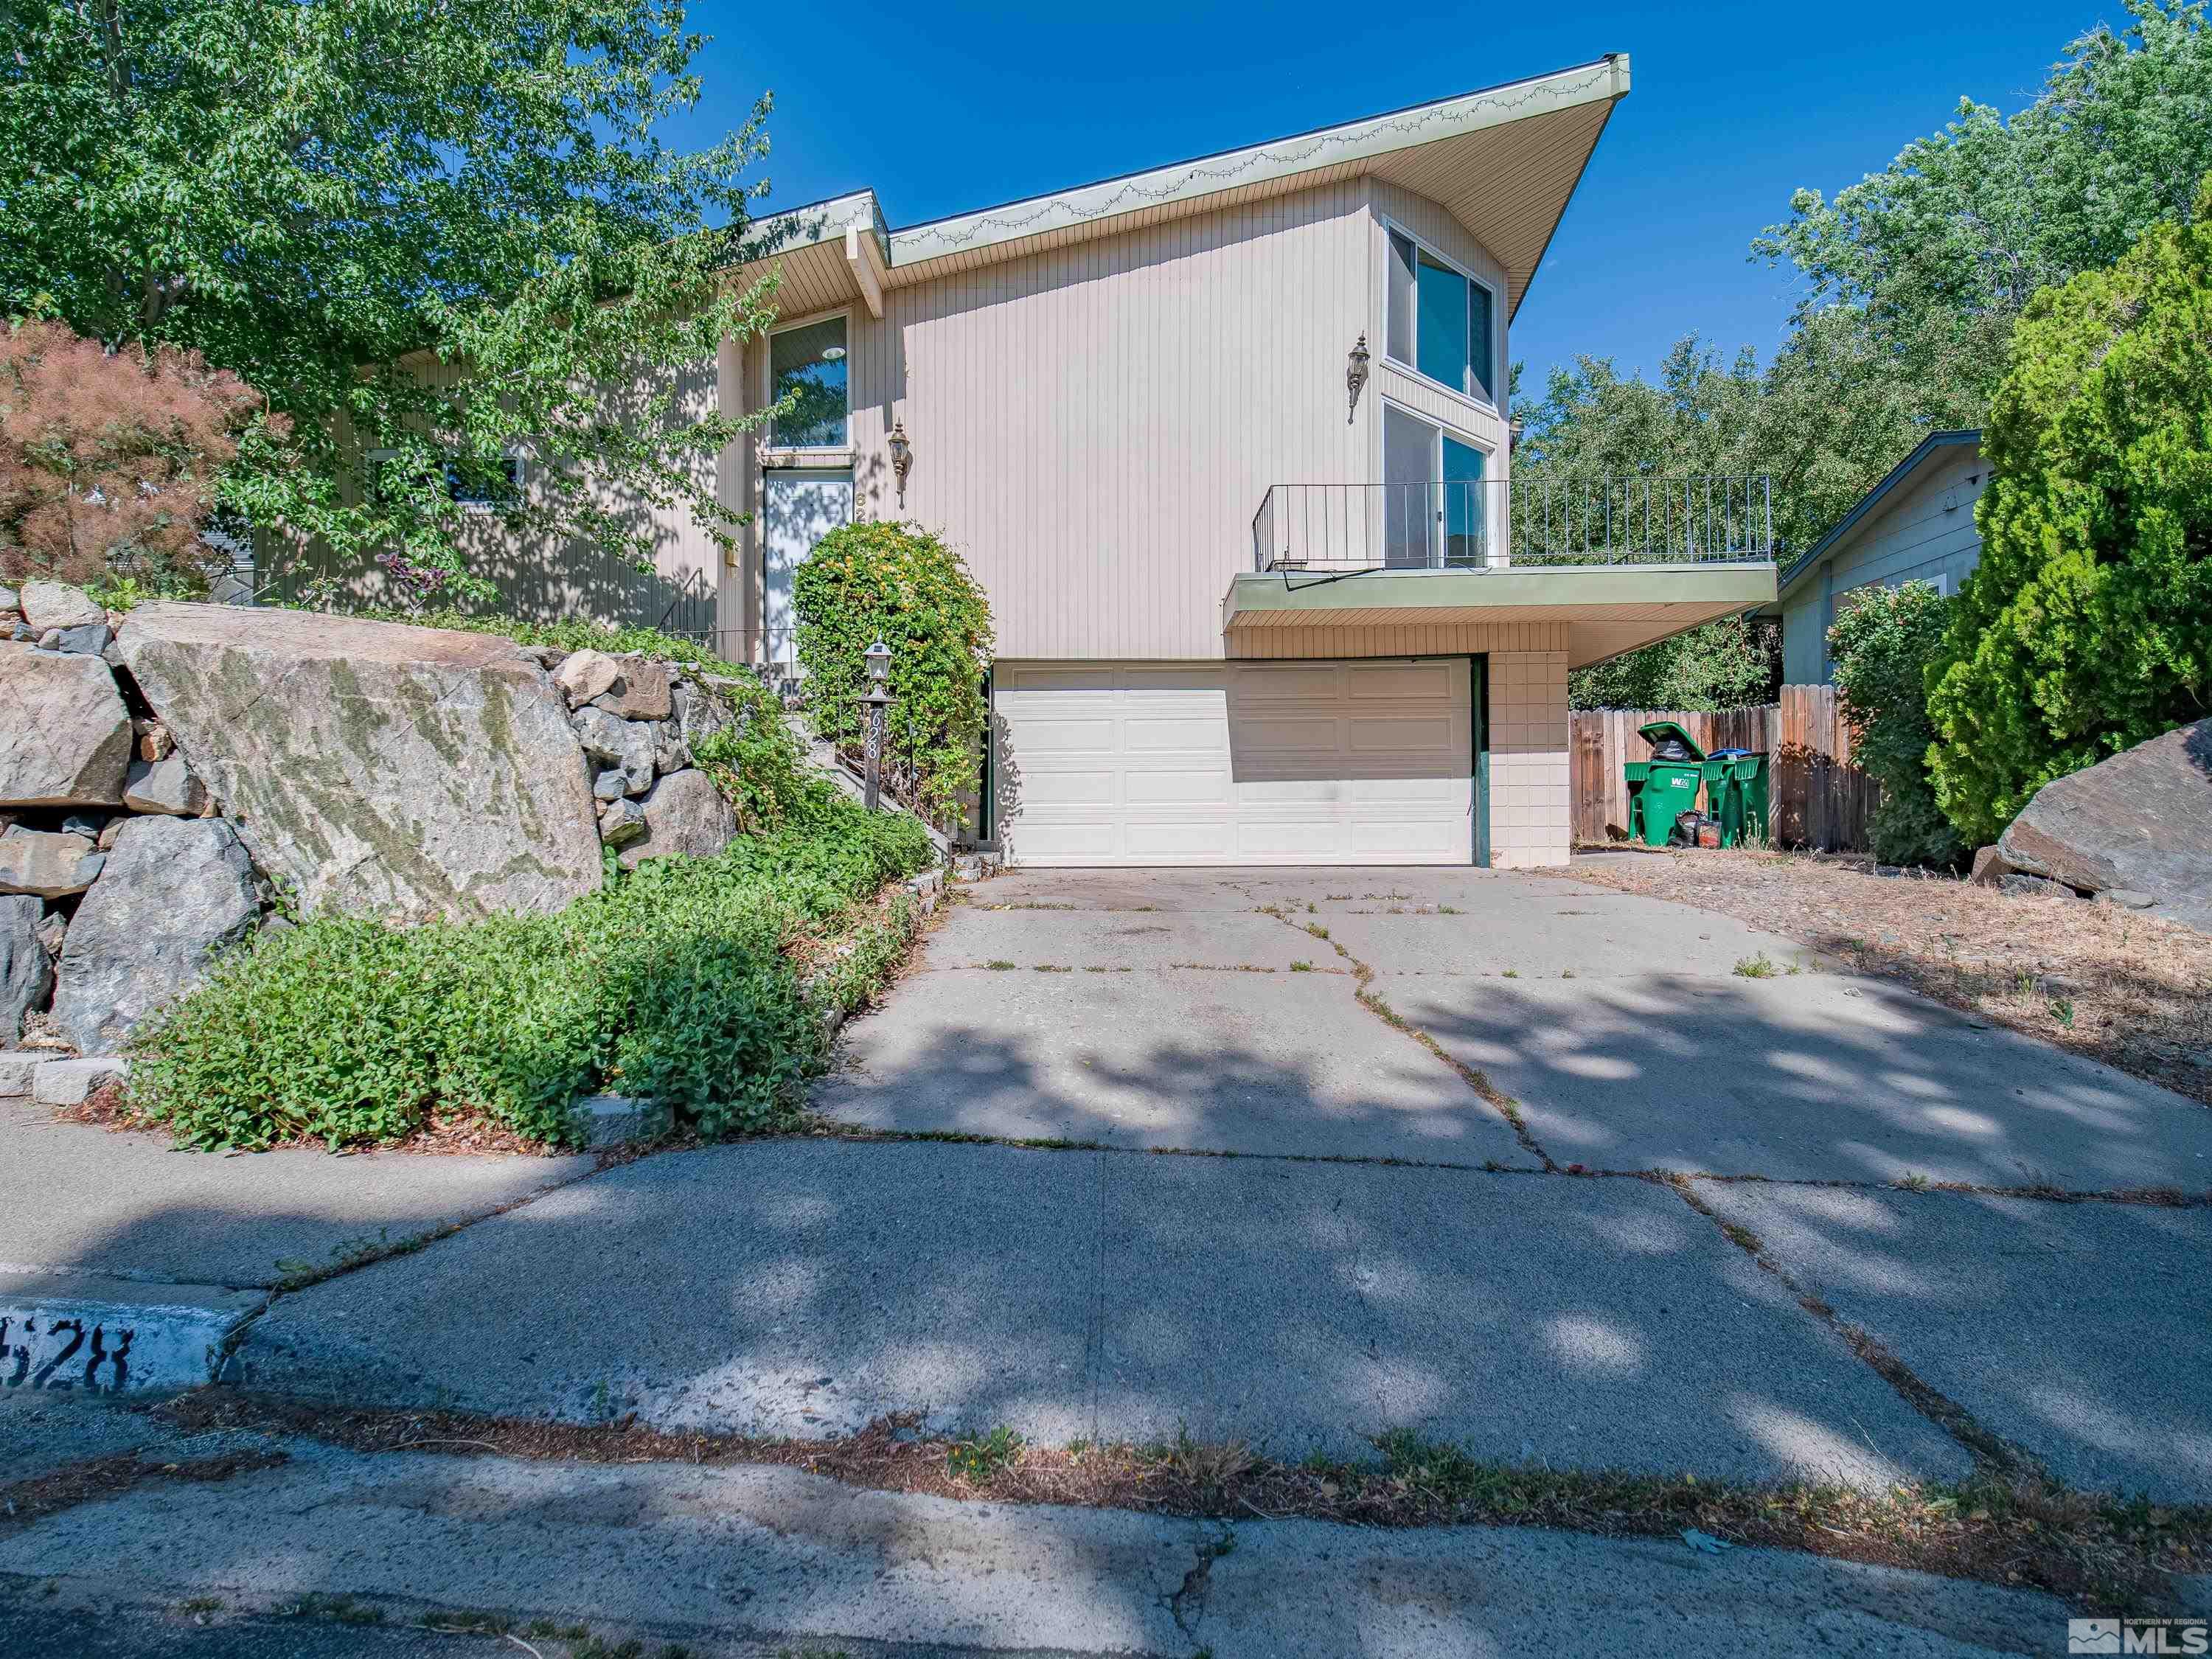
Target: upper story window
x=1440 y=319
x=808 y=363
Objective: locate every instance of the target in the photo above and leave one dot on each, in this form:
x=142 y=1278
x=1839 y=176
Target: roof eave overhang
x=1014 y=230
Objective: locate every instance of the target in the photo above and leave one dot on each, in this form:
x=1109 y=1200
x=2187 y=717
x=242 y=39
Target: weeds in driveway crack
x=1363 y=976
x=2102 y=1552
x=1997 y=1456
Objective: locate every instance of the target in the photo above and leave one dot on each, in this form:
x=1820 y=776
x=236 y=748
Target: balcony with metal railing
x=1495 y=524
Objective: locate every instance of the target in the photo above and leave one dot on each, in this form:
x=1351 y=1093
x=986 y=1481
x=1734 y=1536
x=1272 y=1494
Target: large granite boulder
x=376 y=767
x=65 y=737
x=685 y=813
x=27 y=972
x=2140 y=822
x=174 y=891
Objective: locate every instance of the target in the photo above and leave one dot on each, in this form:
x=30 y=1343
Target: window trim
x=772 y=450
x=1480 y=398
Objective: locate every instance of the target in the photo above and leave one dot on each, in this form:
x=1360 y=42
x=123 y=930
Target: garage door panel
x=1063 y=787
x=1168 y=787
x=1311 y=762
x=1197 y=840
x=1405 y=682
x=1149 y=731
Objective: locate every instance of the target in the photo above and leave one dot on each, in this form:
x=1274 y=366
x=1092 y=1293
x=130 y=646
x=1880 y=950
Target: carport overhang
x=1607 y=609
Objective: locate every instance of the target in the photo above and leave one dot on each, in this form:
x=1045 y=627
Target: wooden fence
x=1819 y=799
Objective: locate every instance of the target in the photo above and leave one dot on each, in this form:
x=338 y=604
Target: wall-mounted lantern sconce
x=902 y=458
x=1355 y=376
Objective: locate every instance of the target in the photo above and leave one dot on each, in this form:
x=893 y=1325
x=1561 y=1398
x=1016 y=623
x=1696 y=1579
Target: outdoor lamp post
x=902 y=458
x=877 y=699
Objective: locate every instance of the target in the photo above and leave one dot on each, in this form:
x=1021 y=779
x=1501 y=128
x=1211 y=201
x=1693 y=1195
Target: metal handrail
x=1493 y=523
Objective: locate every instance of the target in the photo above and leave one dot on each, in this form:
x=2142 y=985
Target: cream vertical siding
x=1093 y=426
x=542 y=580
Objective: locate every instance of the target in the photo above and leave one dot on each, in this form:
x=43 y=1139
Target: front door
x=803 y=505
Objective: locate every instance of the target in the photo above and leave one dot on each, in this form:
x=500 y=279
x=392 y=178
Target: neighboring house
x=1227 y=444
x=1917 y=524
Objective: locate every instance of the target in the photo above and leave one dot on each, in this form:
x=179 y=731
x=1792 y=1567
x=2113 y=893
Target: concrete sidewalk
x=125 y=1261
x=759 y=1561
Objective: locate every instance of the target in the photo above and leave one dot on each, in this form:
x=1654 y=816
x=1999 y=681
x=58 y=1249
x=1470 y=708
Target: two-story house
x=1227 y=444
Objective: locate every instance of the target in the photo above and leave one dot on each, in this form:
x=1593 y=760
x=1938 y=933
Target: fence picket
x=1820 y=797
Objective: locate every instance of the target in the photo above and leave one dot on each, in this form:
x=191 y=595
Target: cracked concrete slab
x=792 y=1288
x=805 y=1288
x=719 y=1560
x=2082 y=1333
x=132 y=1206
x=1260 y=1063
x=973 y=936
x=1592 y=934
x=1811 y=1078
x=1576 y=1323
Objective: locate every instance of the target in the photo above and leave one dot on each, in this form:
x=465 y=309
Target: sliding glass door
x=1434 y=510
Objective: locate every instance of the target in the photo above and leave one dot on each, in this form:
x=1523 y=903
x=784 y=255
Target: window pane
x=1464 y=516
x=1485 y=350
x=1443 y=342
x=1400 y=311
x=811 y=362
x=1410 y=490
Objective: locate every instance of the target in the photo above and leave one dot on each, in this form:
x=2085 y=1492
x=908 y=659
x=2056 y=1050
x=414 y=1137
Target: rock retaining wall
x=165 y=776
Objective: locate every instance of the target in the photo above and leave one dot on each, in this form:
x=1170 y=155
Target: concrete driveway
x=1219 y=1010
x=1424 y=1204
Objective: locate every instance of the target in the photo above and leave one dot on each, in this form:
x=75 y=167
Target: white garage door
x=1288 y=762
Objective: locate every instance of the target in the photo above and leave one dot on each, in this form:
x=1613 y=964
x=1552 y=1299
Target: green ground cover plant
x=698 y=982
x=677 y=982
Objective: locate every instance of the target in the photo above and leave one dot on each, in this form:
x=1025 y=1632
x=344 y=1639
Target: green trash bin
x=1737 y=794
x=1723 y=796
x=1751 y=777
x=1664 y=787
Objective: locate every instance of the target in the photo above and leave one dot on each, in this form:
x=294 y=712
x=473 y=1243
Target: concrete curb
x=121 y=1339
x=51 y=1079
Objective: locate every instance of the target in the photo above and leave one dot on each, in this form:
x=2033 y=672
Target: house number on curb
x=62 y=1354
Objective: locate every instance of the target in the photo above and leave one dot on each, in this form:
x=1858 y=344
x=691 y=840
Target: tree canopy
x=1913 y=280
x=2086 y=628
x=307 y=192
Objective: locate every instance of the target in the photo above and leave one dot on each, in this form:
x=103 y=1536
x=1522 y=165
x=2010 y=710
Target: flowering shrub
x=107 y=463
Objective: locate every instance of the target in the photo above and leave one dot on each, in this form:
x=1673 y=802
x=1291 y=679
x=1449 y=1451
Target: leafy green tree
x=1940 y=251
x=1883 y=645
x=308 y=192
x=1914 y=278
x=2086 y=628
x=1729 y=663
x=899 y=584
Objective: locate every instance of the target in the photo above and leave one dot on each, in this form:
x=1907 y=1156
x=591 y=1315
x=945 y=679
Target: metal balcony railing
x=1495 y=523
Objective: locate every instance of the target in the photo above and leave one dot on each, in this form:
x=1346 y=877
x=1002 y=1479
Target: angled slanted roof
x=1503 y=161
x=1869 y=503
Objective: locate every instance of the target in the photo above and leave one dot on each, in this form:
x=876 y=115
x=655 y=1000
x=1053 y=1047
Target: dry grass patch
x=2098 y=1552
x=2131 y=990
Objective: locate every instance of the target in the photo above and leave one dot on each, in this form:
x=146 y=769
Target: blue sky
x=946 y=107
